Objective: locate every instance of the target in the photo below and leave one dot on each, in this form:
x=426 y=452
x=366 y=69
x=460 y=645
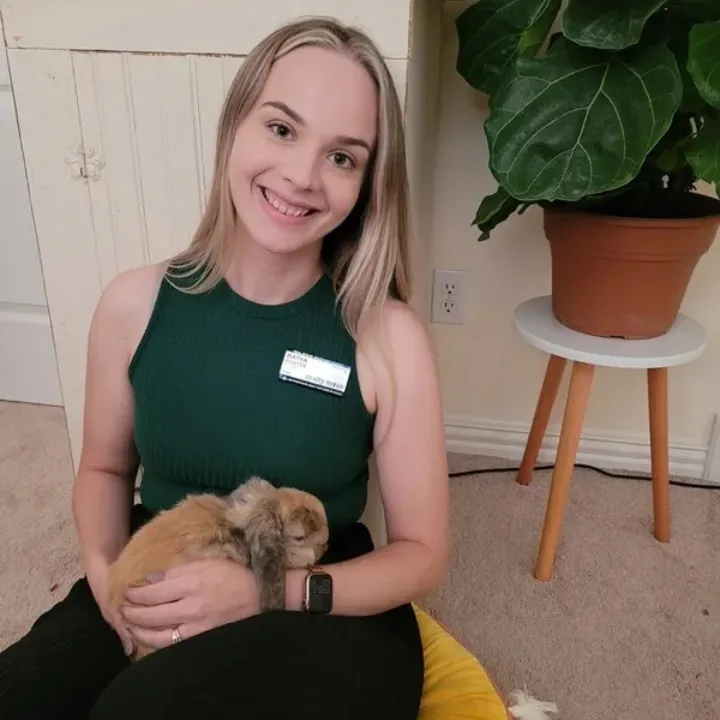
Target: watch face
x=321 y=584
x=320 y=593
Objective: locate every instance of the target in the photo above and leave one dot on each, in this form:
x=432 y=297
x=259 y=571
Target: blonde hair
x=367 y=256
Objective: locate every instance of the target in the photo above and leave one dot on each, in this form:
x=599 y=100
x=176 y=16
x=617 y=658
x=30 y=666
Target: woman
x=302 y=247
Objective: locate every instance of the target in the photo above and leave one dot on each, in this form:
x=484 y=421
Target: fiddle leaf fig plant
x=608 y=105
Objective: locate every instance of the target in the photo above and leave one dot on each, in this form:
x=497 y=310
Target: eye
x=281 y=130
x=297 y=538
x=342 y=160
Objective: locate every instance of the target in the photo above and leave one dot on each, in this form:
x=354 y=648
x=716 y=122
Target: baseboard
x=28 y=369
x=478 y=436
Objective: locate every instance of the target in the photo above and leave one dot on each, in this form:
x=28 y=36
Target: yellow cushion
x=456 y=684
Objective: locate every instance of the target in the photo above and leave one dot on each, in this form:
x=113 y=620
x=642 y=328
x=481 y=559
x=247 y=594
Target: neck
x=272 y=278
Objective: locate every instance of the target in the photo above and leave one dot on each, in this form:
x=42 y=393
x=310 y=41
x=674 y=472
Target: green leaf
x=492 y=33
x=692 y=101
x=537 y=31
x=493 y=210
x=609 y=24
x=704 y=60
x=679 y=44
x=580 y=122
x=703 y=153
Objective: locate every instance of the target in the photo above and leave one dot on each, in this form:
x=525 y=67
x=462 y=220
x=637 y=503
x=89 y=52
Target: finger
x=194 y=568
x=187 y=568
x=158 y=593
x=163 y=637
x=115 y=620
x=154 y=639
x=155 y=616
x=127 y=641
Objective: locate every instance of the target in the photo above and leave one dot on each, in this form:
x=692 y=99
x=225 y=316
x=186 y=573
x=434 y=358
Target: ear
x=266 y=553
x=308 y=518
x=251 y=491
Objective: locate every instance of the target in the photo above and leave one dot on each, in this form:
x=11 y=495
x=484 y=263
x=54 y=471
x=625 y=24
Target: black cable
x=608 y=473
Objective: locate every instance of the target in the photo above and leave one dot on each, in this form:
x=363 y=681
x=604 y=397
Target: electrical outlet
x=448 y=296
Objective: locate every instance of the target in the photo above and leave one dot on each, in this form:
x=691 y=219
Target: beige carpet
x=627 y=629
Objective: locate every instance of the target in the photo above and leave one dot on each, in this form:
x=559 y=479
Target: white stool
x=536 y=324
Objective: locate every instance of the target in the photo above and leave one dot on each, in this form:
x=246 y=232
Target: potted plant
x=606 y=114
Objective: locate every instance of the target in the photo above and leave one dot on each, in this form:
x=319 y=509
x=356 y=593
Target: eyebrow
x=344 y=139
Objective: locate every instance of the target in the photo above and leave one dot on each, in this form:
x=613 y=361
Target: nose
x=301 y=168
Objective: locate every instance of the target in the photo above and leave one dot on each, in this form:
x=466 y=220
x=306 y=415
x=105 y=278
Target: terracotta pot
x=621 y=276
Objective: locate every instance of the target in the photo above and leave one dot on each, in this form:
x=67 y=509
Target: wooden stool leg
x=658 y=407
x=576 y=405
x=546 y=400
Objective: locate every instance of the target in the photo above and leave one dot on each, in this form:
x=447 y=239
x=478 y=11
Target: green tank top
x=211 y=409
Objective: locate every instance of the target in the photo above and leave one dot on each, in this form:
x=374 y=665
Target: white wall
x=490 y=378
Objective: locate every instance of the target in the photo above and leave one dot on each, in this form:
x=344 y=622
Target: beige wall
x=490 y=378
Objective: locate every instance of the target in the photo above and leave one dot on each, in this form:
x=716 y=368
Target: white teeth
x=283 y=207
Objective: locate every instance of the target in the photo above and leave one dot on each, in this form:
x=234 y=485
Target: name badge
x=316 y=372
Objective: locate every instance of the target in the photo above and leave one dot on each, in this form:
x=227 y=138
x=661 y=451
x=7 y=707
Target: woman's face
x=299 y=158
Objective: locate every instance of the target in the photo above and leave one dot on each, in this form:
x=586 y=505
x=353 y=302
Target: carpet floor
x=627 y=629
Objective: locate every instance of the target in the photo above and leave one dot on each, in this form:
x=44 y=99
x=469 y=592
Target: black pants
x=272 y=666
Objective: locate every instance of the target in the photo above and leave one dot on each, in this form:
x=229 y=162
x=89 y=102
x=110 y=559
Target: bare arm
x=104 y=487
x=413 y=479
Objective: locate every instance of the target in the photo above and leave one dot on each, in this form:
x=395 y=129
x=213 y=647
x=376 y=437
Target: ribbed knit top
x=211 y=409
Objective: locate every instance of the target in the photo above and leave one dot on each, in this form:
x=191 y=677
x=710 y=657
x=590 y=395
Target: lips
x=285 y=207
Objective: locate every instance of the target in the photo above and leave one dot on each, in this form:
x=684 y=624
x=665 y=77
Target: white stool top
x=536 y=324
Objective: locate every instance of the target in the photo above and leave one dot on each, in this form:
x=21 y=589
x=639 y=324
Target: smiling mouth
x=285 y=208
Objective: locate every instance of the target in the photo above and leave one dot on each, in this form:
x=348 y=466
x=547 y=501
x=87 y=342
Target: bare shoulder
x=405 y=330
x=118 y=323
x=396 y=358
x=127 y=303
x=132 y=291
x=393 y=336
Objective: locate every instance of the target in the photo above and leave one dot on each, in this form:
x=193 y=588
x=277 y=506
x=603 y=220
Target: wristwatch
x=317 y=593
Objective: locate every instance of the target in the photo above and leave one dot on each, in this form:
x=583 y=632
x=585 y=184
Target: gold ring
x=176 y=636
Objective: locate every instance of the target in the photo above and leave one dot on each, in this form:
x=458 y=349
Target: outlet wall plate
x=448 y=296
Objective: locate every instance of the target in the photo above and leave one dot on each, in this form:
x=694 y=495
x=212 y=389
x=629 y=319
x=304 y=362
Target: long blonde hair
x=367 y=256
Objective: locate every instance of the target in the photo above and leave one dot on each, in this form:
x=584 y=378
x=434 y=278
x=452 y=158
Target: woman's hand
x=193 y=598
x=97 y=576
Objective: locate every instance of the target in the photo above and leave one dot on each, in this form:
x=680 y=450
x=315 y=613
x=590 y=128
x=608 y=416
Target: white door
x=28 y=368
x=117 y=179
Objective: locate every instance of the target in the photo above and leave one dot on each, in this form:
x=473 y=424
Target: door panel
x=150 y=121
x=126 y=167
x=28 y=370
x=50 y=128
x=20 y=273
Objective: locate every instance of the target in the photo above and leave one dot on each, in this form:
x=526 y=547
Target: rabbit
x=267 y=529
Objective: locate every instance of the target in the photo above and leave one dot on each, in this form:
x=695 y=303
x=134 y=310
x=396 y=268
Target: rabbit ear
x=307 y=517
x=265 y=538
x=253 y=490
